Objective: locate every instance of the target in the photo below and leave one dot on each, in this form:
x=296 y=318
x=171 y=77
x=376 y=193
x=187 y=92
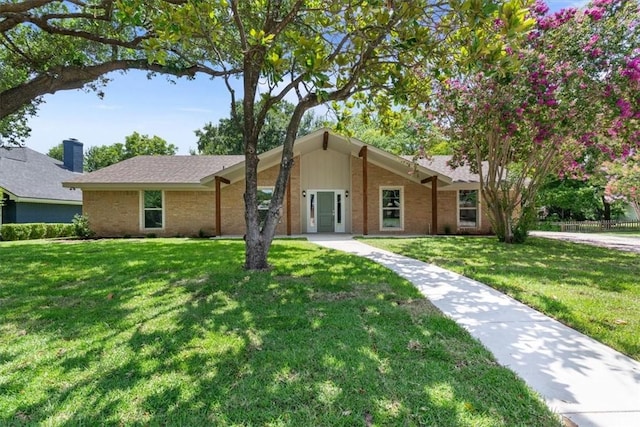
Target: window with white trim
x=391 y=208
x=467 y=208
x=153 y=207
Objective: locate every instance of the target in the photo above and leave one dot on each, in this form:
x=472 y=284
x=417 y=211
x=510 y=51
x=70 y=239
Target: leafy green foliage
x=56 y=152
x=226 y=137
x=176 y=332
x=100 y=156
x=47 y=46
x=588 y=288
x=12 y=232
x=570 y=199
x=313 y=53
x=81 y=226
x=563 y=92
x=411 y=135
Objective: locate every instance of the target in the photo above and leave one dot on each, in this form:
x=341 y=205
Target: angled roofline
x=380 y=158
x=19 y=199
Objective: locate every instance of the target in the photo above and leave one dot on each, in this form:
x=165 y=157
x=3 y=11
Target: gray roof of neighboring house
x=25 y=173
x=440 y=165
x=158 y=170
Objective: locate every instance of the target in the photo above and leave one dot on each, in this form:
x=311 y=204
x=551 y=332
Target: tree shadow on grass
x=582 y=272
x=192 y=339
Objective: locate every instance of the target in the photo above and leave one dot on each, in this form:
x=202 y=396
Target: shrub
x=81 y=226
x=11 y=232
x=53 y=230
x=15 y=231
x=67 y=230
x=37 y=231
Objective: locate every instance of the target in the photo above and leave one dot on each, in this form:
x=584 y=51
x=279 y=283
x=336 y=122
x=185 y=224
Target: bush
x=12 y=232
x=81 y=226
x=37 y=231
x=15 y=231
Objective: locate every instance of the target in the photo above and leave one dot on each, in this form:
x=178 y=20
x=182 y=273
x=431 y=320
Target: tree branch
x=64 y=78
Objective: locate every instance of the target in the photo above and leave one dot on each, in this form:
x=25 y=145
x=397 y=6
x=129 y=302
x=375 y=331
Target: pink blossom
x=625 y=108
x=595 y=13
x=595 y=53
x=632 y=69
x=540 y=8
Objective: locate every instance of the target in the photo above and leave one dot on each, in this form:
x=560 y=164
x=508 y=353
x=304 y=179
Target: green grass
x=175 y=332
x=592 y=289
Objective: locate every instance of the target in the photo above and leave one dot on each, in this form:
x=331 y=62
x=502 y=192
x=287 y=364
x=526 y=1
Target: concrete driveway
x=624 y=243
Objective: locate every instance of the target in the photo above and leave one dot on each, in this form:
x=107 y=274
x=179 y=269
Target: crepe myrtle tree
x=575 y=89
x=48 y=46
x=311 y=52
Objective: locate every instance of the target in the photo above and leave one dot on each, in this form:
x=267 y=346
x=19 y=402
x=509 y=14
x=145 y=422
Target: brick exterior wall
x=417 y=204
x=112 y=213
x=417 y=200
x=187 y=213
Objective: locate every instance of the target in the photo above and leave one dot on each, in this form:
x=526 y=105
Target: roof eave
x=136 y=185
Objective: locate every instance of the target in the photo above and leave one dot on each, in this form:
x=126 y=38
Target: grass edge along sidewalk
x=174 y=331
x=591 y=289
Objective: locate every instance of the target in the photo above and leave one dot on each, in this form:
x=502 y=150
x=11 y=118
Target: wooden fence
x=598 y=226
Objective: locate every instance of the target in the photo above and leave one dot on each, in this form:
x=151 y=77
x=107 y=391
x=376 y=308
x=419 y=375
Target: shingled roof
x=440 y=165
x=172 y=170
x=27 y=174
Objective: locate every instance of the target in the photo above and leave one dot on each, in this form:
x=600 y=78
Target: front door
x=326 y=213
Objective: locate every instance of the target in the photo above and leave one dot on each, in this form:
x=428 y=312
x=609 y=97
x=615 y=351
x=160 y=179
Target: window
x=391 y=216
x=152 y=209
x=468 y=208
x=264 y=199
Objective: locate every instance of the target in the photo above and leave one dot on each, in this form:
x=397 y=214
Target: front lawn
x=175 y=332
x=592 y=289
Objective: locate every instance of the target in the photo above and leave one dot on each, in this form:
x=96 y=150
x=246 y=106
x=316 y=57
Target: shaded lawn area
x=592 y=289
x=175 y=332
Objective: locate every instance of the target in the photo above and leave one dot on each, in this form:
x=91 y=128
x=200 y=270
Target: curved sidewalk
x=585 y=381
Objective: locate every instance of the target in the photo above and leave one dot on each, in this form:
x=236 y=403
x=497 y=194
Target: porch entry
x=325 y=211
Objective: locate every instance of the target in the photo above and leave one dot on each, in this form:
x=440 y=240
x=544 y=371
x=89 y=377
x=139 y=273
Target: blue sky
x=133 y=103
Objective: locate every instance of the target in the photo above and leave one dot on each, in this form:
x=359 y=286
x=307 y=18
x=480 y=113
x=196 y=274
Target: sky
x=133 y=103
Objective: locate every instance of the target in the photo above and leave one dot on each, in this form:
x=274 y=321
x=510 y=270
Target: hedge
x=36 y=231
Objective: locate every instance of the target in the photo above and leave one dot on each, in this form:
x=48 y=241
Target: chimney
x=72 y=156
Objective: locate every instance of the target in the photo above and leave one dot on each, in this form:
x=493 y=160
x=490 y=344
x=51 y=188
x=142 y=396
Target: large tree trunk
x=258 y=242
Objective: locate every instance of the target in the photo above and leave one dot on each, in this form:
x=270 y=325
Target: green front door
x=326 y=221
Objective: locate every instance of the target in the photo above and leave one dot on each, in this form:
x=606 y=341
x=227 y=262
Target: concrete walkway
x=585 y=381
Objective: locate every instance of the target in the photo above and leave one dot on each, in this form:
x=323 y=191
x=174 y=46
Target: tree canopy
x=47 y=46
x=319 y=52
x=226 y=137
x=100 y=156
x=572 y=86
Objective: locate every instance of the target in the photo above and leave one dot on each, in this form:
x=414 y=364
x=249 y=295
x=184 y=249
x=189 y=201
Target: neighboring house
x=337 y=185
x=31 y=185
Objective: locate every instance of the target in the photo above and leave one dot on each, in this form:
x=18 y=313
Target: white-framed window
x=264 y=199
x=391 y=208
x=468 y=212
x=152 y=202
